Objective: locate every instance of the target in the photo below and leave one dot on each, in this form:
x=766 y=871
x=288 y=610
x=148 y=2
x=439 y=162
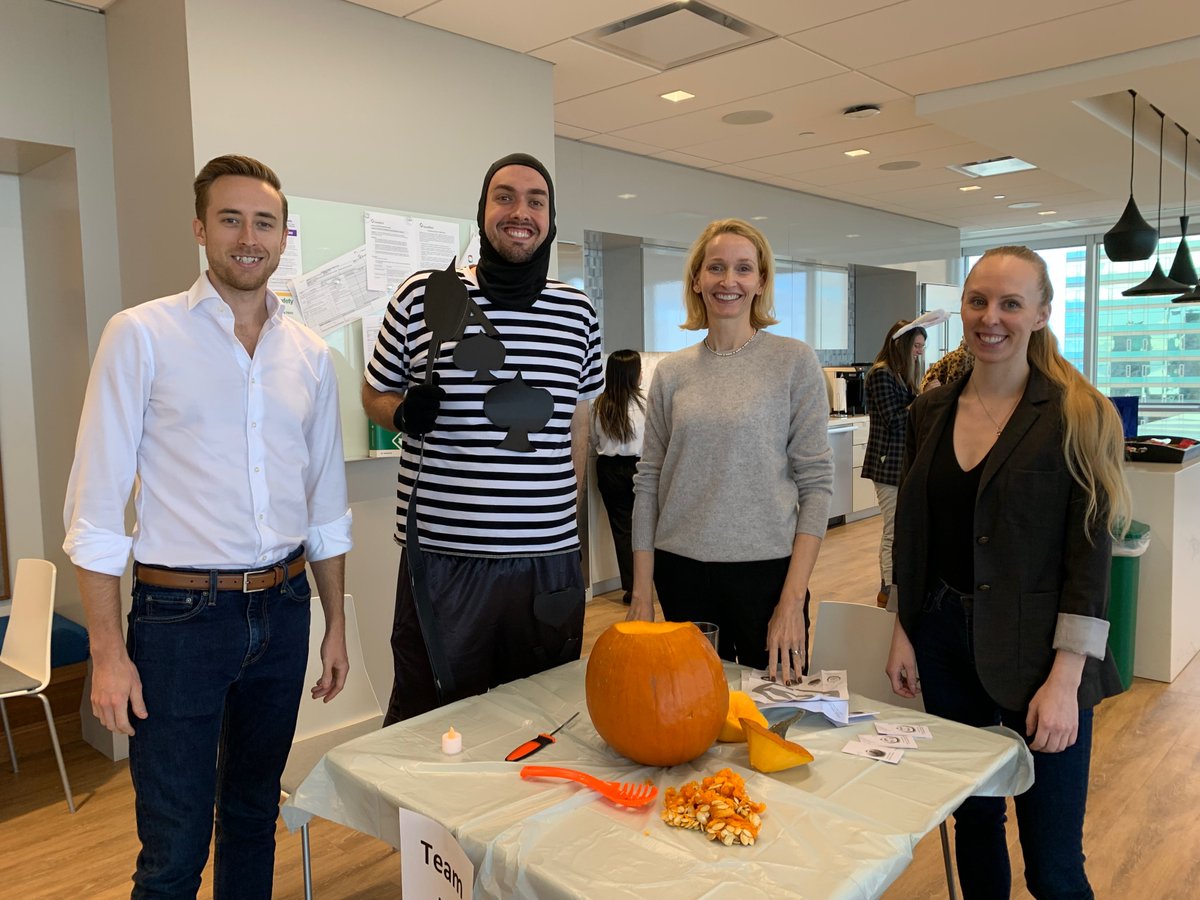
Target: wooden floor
x=1142 y=836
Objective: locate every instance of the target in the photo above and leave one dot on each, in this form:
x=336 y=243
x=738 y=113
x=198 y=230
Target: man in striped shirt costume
x=499 y=438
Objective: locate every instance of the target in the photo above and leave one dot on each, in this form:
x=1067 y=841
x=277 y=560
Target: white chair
x=25 y=656
x=322 y=726
x=858 y=638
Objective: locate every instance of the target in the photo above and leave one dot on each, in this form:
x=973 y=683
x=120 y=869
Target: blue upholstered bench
x=68 y=641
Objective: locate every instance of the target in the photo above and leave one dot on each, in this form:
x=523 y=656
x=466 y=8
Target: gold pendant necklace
x=997 y=425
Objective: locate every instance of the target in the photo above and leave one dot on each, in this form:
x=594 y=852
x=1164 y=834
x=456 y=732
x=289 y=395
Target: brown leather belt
x=248 y=582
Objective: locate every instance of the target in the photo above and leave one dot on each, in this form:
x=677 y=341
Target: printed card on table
x=879 y=754
x=921 y=732
x=898 y=741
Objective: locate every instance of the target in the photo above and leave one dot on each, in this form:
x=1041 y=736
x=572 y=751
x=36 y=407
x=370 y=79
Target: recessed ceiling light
x=853 y=235
x=1025 y=204
x=1000 y=166
x=758 y=218
x=899 y=165
x=862 y=111
x=858 y=152
x=677 y=96
x=626 y=196
x=1048 y=212
x=997 y=196
x=747 y=117
x=805 y=133
x=970 y=187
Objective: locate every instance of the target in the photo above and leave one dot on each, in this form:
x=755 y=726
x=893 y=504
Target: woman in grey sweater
x=736 y=475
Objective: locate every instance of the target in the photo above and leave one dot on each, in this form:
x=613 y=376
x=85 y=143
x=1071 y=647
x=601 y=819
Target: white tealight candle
x=452 y=742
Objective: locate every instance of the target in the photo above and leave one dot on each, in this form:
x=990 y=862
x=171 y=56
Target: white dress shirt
x=608 y=445
x=238 y=460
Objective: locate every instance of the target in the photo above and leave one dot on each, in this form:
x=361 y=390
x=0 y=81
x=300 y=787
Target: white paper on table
x=432 y=862
x=290 y=265
x=826 y=693
x=899 y=741
x=336 y=293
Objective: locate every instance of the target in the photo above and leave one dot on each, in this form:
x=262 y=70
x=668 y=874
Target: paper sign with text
x=433 y=865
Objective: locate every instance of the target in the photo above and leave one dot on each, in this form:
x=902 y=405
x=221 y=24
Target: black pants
x=498 y=620
x=614 y=478
x=738 y=597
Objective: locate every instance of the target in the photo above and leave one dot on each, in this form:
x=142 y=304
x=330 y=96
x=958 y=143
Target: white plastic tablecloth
x=840 y=827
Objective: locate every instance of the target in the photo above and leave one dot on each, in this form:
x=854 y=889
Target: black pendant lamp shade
x=1132 y=238
x=1158 y=283
x=1182 y=269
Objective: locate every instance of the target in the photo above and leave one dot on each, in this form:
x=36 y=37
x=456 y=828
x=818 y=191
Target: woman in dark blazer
x=1011 y=491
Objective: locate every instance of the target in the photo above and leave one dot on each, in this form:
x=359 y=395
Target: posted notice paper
x=397 y=246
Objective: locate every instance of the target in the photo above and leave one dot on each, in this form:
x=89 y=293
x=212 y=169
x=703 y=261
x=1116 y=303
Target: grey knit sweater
x=736 y=459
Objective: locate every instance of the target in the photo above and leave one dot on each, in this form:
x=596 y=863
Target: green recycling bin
x=1122 y=599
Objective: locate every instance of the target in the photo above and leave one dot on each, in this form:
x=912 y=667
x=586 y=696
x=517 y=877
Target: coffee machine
x=847 y=389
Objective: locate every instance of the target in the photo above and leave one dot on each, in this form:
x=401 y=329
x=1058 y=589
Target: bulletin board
x=327 y=230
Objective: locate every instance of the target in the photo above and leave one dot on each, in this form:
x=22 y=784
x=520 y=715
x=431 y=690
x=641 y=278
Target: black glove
x=418 y=413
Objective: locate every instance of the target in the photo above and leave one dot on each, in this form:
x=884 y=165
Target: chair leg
x=306 y=855
x=12 y=751
x=949 y=864
x=62 y=769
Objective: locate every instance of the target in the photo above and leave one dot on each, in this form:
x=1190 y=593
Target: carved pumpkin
x=771 y=753
x=656 y=691
x=741 y=706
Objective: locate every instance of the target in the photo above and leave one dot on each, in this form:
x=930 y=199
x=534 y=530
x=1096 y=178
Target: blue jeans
x=222 y=673
x=1049 y=814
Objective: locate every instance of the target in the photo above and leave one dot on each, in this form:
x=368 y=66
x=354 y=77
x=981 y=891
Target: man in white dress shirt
x=226 y=413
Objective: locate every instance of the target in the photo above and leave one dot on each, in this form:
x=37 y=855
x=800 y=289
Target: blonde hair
x=1093 y=440
x=762 y=307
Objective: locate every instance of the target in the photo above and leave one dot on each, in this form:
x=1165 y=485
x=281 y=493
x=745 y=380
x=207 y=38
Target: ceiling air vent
x=674 y=34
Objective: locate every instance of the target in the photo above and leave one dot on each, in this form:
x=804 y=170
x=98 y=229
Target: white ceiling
x=957 y=80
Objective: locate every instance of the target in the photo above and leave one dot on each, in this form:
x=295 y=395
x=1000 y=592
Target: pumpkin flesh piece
x=741 y=706
x=769 y=752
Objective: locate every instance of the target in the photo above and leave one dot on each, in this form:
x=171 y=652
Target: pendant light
x=1131 y=238
x=1183 y=270
x=1158 y=283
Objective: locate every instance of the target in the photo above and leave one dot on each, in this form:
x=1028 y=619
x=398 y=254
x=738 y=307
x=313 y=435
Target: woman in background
x=891 y=387
x=618 y=421
x=733 y=490
x=1012 y=488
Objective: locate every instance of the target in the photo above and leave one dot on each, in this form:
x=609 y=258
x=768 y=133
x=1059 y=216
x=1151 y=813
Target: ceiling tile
x=927 y=137
x=582 y=69
x=526 y=25
x=571 y=132
x=745 y=72
x=807 y=107
x=870 y=38
x=785 y=16
x=399 y=8
x=1086 y=36
x=616 y=143
x=686 y=159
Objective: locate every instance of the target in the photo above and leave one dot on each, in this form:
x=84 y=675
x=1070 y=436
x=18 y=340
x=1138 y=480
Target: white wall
x=18 y=444
x=54 y=91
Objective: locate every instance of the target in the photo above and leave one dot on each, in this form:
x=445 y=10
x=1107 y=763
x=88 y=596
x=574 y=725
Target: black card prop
x=519 y=408
x=480 y=354
x=445 y=312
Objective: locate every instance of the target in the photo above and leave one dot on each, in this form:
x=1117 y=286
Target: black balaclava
x=504 y=282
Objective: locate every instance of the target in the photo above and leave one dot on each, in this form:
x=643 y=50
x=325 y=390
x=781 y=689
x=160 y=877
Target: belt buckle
x=246 y=576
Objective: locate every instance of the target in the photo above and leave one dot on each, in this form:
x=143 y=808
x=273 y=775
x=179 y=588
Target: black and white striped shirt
x=476 y=498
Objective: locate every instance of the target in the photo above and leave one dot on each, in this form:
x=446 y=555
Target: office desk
x=840 y=827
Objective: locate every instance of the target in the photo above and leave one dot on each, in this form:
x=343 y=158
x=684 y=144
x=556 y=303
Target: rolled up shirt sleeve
x=329 y=511
x=110 y=429
x=1085 y=635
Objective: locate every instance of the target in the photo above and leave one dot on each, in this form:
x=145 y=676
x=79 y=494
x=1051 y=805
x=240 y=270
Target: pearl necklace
x=731 y=352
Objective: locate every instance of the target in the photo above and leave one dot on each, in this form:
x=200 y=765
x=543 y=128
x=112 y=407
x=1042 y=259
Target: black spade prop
x=480 y=354
x=519 y=408
x=445 y=313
